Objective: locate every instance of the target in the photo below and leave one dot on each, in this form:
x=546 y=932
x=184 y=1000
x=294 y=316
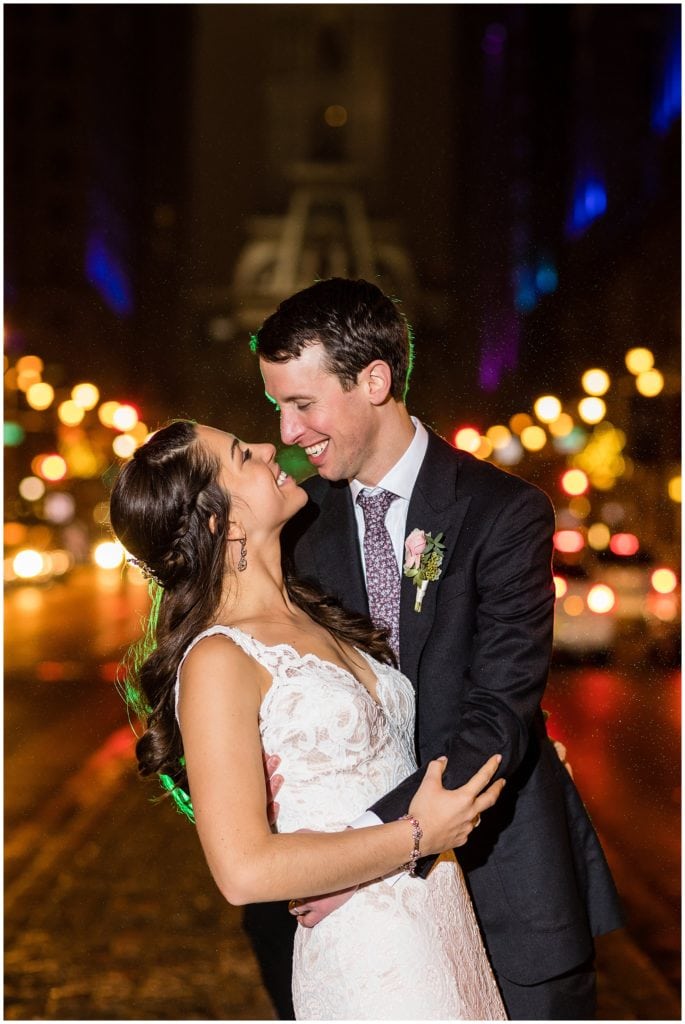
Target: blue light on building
x=668 y=99
x=546 y=278
x=589 y=203
x=525 y=295
x=105 y=272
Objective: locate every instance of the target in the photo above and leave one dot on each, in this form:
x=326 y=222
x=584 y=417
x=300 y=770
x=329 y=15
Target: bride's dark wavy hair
x=160 y=509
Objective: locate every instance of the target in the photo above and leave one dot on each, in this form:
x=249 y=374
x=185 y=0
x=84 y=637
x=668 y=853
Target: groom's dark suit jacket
x=478 y=656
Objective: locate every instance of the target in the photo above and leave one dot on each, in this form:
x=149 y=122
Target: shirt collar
x=402 y=477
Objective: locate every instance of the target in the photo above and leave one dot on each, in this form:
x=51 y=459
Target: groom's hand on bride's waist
x=273 y=783
x=312 y=910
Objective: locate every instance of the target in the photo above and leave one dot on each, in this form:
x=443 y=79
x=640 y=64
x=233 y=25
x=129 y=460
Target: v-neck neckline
x=310 y=655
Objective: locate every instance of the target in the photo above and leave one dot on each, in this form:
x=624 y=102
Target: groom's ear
x=377 y=379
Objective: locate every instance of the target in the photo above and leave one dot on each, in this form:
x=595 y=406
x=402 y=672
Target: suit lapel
x=435 y=507
x=335 y=546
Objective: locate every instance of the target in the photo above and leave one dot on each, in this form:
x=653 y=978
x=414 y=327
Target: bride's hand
x=448 y=816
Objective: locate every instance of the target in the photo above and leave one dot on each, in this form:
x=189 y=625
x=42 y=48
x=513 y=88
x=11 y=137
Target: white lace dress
x=402 y=948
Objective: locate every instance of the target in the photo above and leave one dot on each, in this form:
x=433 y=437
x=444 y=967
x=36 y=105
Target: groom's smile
x=333 y=426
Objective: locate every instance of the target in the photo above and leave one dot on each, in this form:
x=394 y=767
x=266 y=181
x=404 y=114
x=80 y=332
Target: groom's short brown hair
x=354 y=321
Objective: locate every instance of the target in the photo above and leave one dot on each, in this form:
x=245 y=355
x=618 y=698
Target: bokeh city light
x=664 y=581
x=591 y=410
x=639 y=360
x=109 y=554
x=596 y=382
x=547 y=408
x=650 y=383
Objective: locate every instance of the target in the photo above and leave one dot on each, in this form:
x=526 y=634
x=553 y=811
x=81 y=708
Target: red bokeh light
x=569 y=541
x=624 y=544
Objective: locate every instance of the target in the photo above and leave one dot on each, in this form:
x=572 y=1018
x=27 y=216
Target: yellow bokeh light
x=125 y=417
x=638 y=360
x=547 y=408
x=596 y=382
x=575 y=482
x=560 y=586
x=533 y=438
x=601 y=599
x=335 y=116
x=573 y=605
x=579 y=507
x=467 y=440
x=70 y=413
x=675 y=488
x=598 y=536
x=83 y=461
x=52 y=467
x=141 y=431
x=498 y=435
x=124 y=445
x=561 y=426
x=26 y=378
x=40 y=395
x=649 y=383
x=484 y=451
x=14 y=533
x=28 y=563
x=106 y=413
x=31 y=488
x=519 y=421
x=30 y=364
x=591 y=410
x=109 y=554
x=86 y=395
x=664 y=581
x=62 y=561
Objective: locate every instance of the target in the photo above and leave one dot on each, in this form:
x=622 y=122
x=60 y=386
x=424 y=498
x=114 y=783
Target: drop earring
x=242 y=563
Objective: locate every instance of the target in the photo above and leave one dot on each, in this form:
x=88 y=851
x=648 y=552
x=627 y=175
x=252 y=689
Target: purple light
x=494 y=40
x=499 y=350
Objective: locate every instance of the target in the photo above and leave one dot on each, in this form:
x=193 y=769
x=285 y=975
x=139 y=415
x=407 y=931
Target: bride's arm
x=220 y=694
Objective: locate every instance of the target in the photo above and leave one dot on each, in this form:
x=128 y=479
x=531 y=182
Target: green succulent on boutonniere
x=423 y=561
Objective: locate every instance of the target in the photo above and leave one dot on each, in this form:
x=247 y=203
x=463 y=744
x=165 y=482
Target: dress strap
x=254 y=648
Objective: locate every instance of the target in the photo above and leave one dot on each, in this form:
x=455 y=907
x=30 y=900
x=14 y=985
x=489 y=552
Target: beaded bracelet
x=417 y=834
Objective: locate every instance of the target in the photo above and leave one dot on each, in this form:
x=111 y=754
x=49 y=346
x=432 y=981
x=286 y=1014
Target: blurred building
x=510 y=171
x=95 y=178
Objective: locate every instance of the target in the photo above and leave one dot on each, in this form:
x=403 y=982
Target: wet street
x=110 y=909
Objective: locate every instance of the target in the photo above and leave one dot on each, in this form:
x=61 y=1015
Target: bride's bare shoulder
x=218 y=661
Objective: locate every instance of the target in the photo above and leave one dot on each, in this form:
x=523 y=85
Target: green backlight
x=14 y=434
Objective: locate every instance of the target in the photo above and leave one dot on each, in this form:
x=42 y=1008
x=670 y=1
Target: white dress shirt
x=400 y=480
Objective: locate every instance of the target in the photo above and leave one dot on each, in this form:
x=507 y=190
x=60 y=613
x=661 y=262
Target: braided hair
x=160 y=509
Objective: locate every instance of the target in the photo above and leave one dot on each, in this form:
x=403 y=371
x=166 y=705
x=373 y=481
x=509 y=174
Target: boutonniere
x=423 y=561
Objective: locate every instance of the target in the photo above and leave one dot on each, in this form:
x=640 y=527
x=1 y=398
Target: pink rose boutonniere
x=423 y=561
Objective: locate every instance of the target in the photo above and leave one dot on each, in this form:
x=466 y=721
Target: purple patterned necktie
x=382 y=574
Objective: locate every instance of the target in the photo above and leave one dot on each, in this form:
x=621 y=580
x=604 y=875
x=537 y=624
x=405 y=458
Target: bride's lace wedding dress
x=401 y=948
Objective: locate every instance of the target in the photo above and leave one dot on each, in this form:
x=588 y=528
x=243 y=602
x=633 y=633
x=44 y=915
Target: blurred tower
x=319 y=94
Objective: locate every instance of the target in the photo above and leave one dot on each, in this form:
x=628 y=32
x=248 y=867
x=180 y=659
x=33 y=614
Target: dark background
x=146 y=146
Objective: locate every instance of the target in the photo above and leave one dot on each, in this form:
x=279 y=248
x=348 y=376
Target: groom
x=476 y=644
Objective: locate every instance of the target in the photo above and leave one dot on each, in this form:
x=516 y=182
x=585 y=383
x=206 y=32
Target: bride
x=242 y=661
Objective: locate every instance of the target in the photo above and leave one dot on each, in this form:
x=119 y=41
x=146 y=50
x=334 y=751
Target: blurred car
x=647 y=605
x=585 y=627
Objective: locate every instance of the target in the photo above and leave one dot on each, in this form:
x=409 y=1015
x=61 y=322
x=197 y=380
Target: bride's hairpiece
x=147 y=572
